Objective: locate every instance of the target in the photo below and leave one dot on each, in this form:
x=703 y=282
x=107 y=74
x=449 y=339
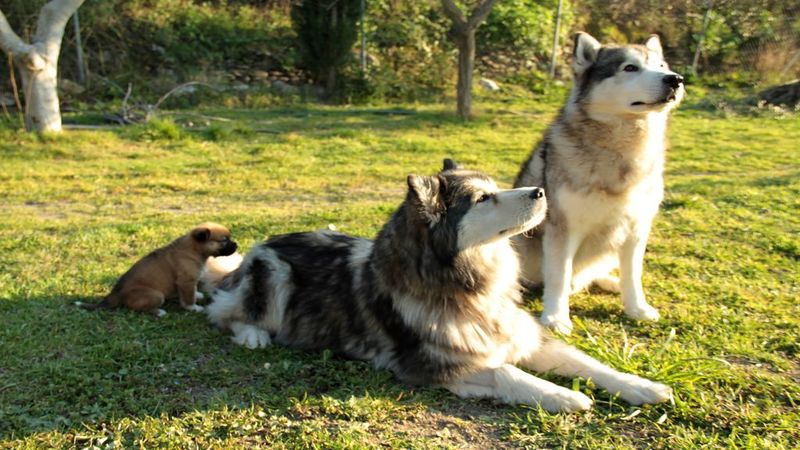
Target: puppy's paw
x=558 y=323
x=160 y=313
x=250 y=336
x=194 y=308
x=198 y=295
x=608 y=283
x=565 y=400
x=642 y=312
x=639 y=391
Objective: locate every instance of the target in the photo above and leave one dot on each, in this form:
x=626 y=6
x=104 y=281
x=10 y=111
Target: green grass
x=723 y=267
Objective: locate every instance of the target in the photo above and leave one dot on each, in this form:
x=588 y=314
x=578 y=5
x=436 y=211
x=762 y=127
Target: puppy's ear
x=653 y=44
x=425 y=197
x=201 y=234
x=585 y=52
x=449 y=164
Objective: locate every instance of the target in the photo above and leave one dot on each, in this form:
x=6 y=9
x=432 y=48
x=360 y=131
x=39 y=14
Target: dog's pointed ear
x=449 y=164
x=585 y=52
x=424 y=193
x=653 y=44
x=201 y=234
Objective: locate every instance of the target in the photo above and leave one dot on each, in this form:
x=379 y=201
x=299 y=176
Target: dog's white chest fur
x=588 y=213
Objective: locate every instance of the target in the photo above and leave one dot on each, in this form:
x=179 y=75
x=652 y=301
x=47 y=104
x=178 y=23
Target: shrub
x=326 y=32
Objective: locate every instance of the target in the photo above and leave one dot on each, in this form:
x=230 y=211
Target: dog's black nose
x=537 y=193
x=674 y=81
x=228 y=249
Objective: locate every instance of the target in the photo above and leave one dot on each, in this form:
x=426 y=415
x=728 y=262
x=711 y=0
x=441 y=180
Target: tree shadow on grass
x=313 y=122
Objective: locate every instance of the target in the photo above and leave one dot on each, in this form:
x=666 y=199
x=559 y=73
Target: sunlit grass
x=723 y=267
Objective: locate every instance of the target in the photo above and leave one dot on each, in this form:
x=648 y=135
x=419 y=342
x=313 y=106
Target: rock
x=373 y=60
x=489 y=85
x=7 y=99
x=285 y=88
x=72 y=88
x=241 y=87
x=260 y=75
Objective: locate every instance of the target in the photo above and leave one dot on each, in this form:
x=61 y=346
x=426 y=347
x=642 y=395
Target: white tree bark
x=38 y=63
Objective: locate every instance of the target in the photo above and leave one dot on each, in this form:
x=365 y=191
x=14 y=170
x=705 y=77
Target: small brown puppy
x=168 y=272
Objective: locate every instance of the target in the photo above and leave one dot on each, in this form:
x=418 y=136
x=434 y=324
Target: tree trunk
x=466 y=65
x=463 y=33
x=38 y=63
x=39 y=86
x=330 y=82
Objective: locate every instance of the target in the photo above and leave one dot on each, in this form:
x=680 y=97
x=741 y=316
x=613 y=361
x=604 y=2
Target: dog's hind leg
x=511 y=385
x=144 y=300
x=562 y=359
x=598 y=273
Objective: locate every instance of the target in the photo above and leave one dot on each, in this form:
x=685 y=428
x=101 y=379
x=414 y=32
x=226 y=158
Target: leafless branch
x=14 y=88
x=153 y=108
x=452 y=11
x=52 y=20
x=9 y=41
x=480 y=13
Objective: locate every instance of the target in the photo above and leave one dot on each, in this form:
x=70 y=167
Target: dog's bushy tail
x=216 y=269
x=109 y=301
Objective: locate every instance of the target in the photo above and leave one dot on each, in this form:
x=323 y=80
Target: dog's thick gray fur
x=434 y=299
x=601 y=163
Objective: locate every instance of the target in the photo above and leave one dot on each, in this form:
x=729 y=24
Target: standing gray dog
x=601 y=163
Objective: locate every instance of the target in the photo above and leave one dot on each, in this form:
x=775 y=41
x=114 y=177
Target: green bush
x=410 y=55
x=159 y=130
x=524 y=28
x=156 y=44
x=326 y=32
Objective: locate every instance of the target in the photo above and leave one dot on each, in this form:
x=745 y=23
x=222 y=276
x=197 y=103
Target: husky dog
x=434 y=299
x=601 y=163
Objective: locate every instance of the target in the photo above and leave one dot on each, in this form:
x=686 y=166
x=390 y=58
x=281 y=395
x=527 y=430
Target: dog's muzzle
x=673 y=83
x=673 y=80
x=228 y=249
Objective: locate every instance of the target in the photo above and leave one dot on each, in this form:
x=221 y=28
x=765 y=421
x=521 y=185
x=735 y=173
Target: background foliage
x=158 y=43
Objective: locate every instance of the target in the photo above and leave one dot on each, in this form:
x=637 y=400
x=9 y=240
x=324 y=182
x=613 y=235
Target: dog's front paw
x=250 y=336
x=565 y=401
x=195 y=308
x=198 y=295
x=558 y=323
x=160 y=313
x=642 y=312
x=639 y=391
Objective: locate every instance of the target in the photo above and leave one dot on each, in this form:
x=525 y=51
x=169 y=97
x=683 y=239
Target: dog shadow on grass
x=65 y=368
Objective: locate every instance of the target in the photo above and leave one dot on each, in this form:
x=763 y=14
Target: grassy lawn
x=723 y=268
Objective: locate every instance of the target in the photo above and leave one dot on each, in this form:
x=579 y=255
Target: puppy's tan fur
x=168 y=272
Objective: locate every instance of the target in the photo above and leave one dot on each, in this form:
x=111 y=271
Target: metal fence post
x=555 y=41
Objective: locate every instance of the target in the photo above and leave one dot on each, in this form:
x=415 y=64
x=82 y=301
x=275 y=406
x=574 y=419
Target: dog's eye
x=630 y=68
x=484 y=197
